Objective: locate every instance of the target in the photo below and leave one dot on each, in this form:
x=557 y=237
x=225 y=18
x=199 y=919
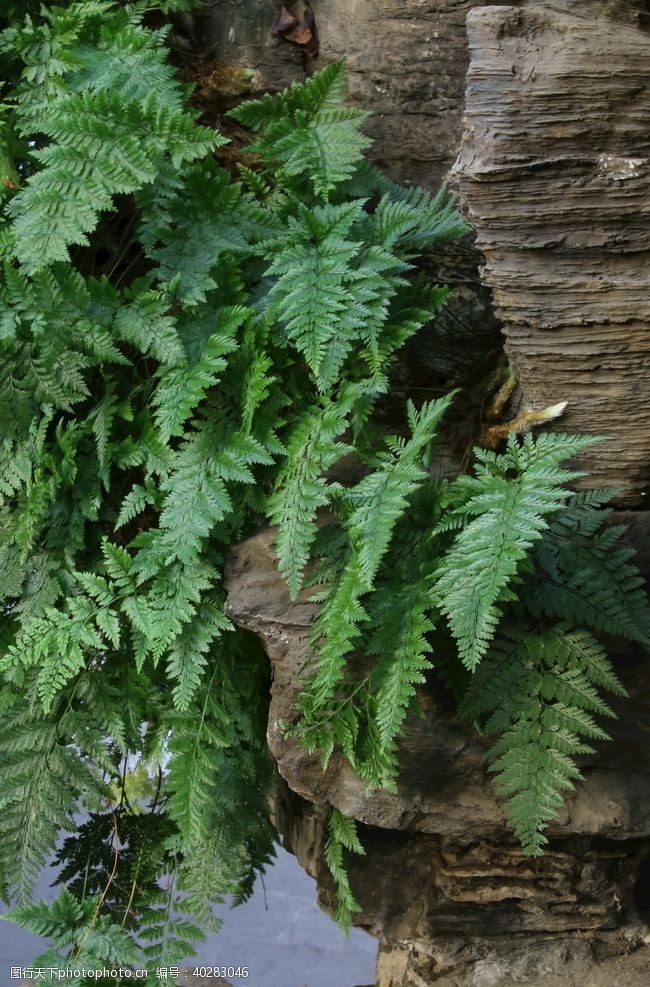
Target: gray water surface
x=280 y=934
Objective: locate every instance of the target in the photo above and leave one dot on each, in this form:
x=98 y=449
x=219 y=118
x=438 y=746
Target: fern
x=41 y=784
x=69 y=923
x=375 y=505
x=183 y=387
x=342 y=836
x=184 y=358
x=302 y=488
x=380 y=499
x=504 y=510
x=401 y=618
x=590 y=580
x=540 y=691
x=308 y=131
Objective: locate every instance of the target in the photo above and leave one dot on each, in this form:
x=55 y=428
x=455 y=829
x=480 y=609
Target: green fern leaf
x=188 y=654
x=538 y=691
x=342 y=836
x=308 y=131
x=508 y=504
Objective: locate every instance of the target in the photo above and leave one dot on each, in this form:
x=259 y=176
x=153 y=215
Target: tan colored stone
x=555 y=170
x=443 y=884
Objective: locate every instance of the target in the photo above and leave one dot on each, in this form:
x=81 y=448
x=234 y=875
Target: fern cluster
x=186 y=354
x=527 y=580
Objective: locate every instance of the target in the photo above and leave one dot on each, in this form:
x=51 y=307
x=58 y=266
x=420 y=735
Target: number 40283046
x=220 y=971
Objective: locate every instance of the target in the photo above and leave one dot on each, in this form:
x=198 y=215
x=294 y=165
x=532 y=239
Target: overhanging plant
x=186 y=354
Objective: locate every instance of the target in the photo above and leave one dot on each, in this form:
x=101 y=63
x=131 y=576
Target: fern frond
x=90 y=941
x=57 y=644
x=506 y=508
x=342 y=836
x=181 y=388
x=193 y=774
x=147 y=324
x=302 y=488
x=590 y=579
x=310 y=271
x=188 y=652
x=308 y=131
x=379 y=500
x=41 y=782
x=199 y=223
x=415 y=219
x=539 y=690
x=400 y=620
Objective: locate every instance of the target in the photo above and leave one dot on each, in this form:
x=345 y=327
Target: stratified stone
x=406 y=61
x=444 y=884
x=555 y=170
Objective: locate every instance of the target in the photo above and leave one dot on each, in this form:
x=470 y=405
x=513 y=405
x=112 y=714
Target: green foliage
x=307 y=130
x=504 y=509
x=341 y=836
x=184 y=357
x=83 y=940
x=539 y=690
x=503 y=561
x=42 y=780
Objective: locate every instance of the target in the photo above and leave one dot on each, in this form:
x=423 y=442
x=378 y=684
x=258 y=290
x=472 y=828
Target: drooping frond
x=41 y=782
x=374 y=506
x=540 y=691
x=302 y=487
x=342 y=835
x=380 y=499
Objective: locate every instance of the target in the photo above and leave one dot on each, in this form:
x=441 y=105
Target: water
x=282 y=936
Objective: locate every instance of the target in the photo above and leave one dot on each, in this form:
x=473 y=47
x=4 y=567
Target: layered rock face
x=443 y=884
x=555 y=170
x=406 y=60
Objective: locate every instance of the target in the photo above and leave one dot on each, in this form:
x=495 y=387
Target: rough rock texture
x=443 y=885
x=406 y=60
x=238 y=32
x=555 y=169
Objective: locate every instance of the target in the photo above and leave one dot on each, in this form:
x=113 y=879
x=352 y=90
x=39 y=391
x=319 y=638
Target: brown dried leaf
x=298 y=26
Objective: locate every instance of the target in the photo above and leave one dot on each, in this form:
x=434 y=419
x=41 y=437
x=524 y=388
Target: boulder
x=443 y=884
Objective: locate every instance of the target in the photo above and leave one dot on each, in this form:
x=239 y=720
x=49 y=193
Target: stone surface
x=444 y=885
x=555 y=170
x=444 y=788
x=406 y=61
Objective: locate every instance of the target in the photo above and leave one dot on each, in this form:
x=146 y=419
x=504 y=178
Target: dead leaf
x=298 y=25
